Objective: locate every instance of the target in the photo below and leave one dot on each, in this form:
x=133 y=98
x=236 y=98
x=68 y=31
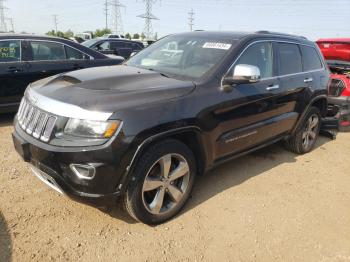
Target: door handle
x=308 y=80
x=14 y=70
x=272 y=87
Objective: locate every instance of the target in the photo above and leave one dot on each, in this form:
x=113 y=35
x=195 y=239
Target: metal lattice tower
x=105 y=9
x=11 y=23
x=191 y=19
x=55 y=22
x=148 y=16
x=117 y=17
x=3 y=27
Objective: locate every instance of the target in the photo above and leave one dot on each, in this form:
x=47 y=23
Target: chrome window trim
x=40 y=40
x=20 y=50
x=56 y=42
x=64 y=109
x=274 y=41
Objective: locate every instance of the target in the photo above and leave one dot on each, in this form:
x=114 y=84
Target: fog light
x=83 y=171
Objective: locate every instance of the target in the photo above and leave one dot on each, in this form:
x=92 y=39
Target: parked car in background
x=85 y=36
x=145 y=131
x=111 y=46
x=113 y=36
x=27 y=58
x=337 y=54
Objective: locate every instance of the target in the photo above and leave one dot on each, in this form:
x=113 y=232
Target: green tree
x=127 y=36
x=143 y=36
x=51 y=33
x=69 y=34
x=136 y=36
x=101 y=32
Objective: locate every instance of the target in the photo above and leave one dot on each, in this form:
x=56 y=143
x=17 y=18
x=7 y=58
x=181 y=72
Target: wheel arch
x=190 y=136
x=320 y=102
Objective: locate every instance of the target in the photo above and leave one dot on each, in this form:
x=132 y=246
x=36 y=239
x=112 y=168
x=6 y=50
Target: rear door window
x=47 y=51
x=117 y=44
x=289 y=59
x=73 y=54
x=311 y=59
x=10 y=51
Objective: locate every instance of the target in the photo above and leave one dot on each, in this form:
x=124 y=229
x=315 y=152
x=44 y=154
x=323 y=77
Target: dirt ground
x=268 y=206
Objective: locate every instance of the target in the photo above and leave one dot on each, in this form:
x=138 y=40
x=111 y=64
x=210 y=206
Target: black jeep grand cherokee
x=144 y=130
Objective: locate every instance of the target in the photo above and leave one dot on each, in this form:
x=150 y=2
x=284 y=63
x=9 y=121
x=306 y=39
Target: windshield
x=90 y=43
x=183 y=55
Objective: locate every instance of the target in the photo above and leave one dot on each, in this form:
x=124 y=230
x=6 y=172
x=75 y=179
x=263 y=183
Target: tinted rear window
x=289 y=59
x=311 y=59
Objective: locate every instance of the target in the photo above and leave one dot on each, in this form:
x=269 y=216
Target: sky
x=311 y=18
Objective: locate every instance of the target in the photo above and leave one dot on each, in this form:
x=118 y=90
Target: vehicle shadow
x=228 y=175
x=237 y=171
x=6 y=119
x=5 y=241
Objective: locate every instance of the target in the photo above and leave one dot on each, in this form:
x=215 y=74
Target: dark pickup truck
x=27 y=58
x=144 y=131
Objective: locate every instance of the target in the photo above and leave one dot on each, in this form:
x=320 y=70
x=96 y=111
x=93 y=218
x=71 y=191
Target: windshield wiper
x=151 y=69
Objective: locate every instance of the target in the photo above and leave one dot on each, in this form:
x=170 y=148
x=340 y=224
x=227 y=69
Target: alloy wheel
x=310 y=131
x=165 y=184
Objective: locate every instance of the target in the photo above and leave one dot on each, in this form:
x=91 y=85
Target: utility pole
x=117 y=17
x=106 y=12
x=191 y=19
x=148 y=16
x=3 y=27
x=11 y=23
x=55 y=22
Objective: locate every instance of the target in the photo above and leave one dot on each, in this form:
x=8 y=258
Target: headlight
x=91 y=129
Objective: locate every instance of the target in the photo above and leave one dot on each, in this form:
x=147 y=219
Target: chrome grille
x=34 y=121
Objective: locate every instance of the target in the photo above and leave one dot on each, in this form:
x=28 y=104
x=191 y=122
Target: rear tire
x=305 y=137
x=162 y=182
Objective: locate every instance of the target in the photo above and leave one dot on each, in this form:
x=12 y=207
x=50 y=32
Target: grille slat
x=49 y=128
x=41 y=123
x=25 y=111
x=20 y=108
x=35 y=122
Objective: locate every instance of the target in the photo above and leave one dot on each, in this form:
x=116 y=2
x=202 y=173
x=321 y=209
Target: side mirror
x=242 y=74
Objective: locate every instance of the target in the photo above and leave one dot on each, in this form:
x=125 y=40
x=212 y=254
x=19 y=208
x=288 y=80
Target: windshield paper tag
x=217 y=45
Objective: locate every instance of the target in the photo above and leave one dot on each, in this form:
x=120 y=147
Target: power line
x=11 y=23
x=191 y=19
x=148 y=16
x=117 y=17
x=55 y=22
x=106 y=12
x=3 y=27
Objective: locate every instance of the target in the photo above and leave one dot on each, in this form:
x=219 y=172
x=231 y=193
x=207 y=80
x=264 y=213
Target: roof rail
x=277 y=33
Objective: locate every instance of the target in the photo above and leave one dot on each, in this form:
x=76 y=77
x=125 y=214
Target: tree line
x=97 y=33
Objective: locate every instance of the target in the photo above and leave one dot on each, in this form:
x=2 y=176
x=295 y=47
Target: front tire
x=162 y=182
x=305 y=137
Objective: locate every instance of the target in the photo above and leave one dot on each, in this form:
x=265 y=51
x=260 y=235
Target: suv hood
x=108 y=89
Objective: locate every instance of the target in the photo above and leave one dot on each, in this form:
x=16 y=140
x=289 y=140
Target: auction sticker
x=7 y=52
x=213 y=45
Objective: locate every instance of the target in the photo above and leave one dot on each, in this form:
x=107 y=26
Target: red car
x=337 y=54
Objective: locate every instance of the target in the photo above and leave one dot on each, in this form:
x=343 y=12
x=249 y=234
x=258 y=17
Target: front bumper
x=52 y=166
x=343 y=103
